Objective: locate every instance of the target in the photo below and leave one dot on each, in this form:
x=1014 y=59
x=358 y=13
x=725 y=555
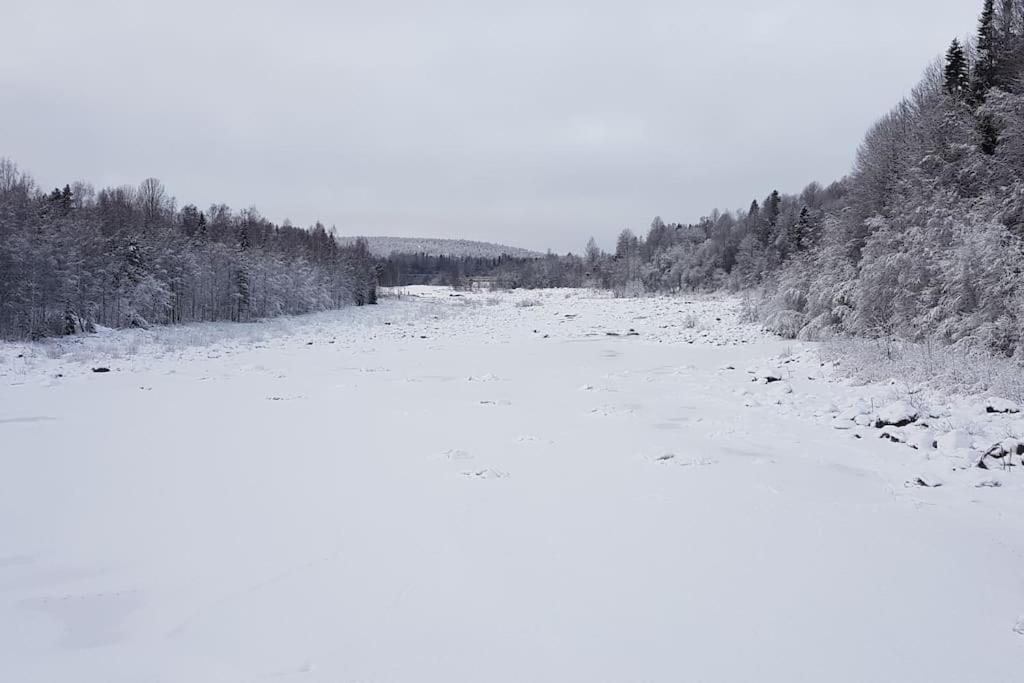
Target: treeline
x=924 y=239
x=401 y=269
x=74 y=258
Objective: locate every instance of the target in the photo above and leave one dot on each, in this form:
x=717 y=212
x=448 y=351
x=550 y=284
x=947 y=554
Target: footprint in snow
x=1018 y=628
x=673 y=459
x=456 y=454
x=486 y=473
x=609 y=411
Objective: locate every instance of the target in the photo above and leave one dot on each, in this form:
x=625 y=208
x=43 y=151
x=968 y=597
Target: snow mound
x=897 y=414
x=954 y=440
x=1000 y=405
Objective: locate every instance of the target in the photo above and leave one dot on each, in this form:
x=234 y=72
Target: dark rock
x=895 y=438
x=899 y=423
x=101 y=369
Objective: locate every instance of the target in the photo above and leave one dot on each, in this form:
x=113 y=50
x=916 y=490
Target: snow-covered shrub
x=957 y=369
x=786 y=323
x=633 y=289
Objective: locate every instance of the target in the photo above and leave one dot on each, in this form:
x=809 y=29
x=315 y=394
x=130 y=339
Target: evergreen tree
x=769 y=217
x=799 y=231
x=753 y=219
x=957 y=81
x=984 y=76
x=66 y=201
x=771 y=208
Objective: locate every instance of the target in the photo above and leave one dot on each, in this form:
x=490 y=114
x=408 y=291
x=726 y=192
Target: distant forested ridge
x=432 y=246
x=428 y=261
x=923 y=240
x=73 y=258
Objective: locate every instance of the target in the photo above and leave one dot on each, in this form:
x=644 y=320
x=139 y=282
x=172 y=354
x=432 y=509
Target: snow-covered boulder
x=954 y=440
x=864 y=420
x=766 y=375
x=898 y=414
x=918 y=439
x=894 y=434
x=1000 y=405
x=849 y=415
x=922 y=439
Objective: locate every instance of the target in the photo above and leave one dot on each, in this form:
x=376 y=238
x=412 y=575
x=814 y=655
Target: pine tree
x=957 y=81
x=771 y=208
x=984 y=76
x=66 y=201
x=799 y=231
x=769 y=217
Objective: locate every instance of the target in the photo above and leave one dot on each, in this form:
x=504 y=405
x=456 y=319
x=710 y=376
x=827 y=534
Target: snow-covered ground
x=535 y=486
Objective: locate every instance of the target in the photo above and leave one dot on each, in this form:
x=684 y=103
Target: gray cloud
x=532 y=123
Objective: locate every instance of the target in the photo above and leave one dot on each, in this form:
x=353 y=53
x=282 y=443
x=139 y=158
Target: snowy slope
x=432 y=246
x=542 y=486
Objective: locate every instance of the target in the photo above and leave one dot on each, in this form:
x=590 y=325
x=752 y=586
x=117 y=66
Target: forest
x=75 y=258
x=921 y=241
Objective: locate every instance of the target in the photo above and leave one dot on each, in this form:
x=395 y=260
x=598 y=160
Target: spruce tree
x=984 y=76
x=799 y=231
x=66 y=200
x=769 y=217
x=957 y=81
x=771 y=208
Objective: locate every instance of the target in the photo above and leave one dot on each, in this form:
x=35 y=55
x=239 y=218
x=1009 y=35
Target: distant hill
x=431 y=246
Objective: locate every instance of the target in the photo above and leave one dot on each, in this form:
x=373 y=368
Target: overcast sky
x=536 y=124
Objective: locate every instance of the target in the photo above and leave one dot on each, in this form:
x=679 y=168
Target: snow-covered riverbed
x=535 y=486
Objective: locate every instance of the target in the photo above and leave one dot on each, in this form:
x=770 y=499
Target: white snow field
x=496 y=487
